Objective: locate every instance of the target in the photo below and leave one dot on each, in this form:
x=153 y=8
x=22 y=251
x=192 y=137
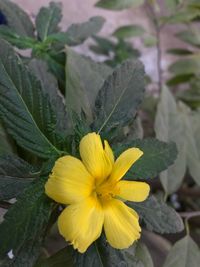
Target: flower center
x=106 y=190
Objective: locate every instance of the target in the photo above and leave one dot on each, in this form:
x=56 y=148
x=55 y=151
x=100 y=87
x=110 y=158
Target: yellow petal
x=109 y=152
x=133 y=191
x=81 y=223
x=69 y=182
x=124 y=163
x=95 y=158
x=120 y=224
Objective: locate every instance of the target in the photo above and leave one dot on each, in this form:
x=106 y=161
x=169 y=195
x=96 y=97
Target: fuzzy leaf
x=157 y=157
x=15 y=176
x=157 y=216
x=184 y=253
x=81 y=90
x=47 y=20
x=119 y=4
x=120 y=96
x=24 y=109
x=16 y=18
x=24 y=226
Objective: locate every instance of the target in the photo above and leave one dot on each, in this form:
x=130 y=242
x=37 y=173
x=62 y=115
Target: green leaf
x=129 y=31
x=81 y=90
x=179 y=79
x=157 y=157
x=78 y=33
x=24 y=226
x=158 y=216
x=24 y=109
x=169 y=127
x=189 y=65
x=142 y=253
x=15 y=176
x=63 y=257
x=50 y=86
x=17 y=19
x=47 y=20
x=189 y=37
x=105 y=46
x=118 y=4
x=6 y=145
x=120 y=96
x=180 y=51
x=184 y=253
x=101 y=254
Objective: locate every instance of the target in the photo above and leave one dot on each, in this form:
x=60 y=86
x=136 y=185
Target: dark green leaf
x=104 y=45
x=119 y=4
x=157 y=157
x=15 y=176
x=184 y=253
x=24 y=226
x=158 y=216
x=129 y=31
x=25 y=110
x=120 y=96
x=17 y=19
x=180 y=51
x=81 y=89
x=48 y=19
x=63 y=258
x=78 y=33
x=179 y=79
x=6 y=145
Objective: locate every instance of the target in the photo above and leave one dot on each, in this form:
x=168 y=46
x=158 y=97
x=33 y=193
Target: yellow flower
x=95 y=195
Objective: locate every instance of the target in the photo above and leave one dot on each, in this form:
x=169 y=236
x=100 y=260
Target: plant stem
x=190 y=214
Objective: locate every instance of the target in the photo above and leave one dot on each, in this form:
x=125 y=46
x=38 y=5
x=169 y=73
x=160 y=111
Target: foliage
x=50 y=99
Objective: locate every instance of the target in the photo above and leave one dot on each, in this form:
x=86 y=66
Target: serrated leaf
x=15 y=176
x=17 y=19
x=118 y=4
x=101 y=254
x=24 y=226
x=48 y=19
x=129 y=31
x=24 y=109
x=158 y=216
x=78 y=33
x=81 y=90
x=184 y=253
x=169 y=127
x=157 y=157
x=50 y=87
x=120 y=96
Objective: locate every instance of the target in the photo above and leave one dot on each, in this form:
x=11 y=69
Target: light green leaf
x=81 y=90
x=48 y=19
x=158 y=216
x=24 y=109
x=119 y=4
x=157 y=157
x=24 y=226
x=129 y=31
x=169 y=127
x=120 y=96
x=17 y=19
x=189 y=37
x=189 y=65
x=78 y=33
x=15 y=176
x=184 y=253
